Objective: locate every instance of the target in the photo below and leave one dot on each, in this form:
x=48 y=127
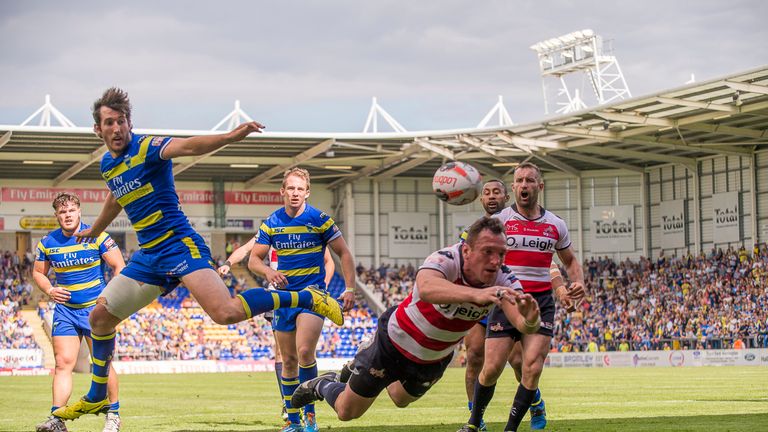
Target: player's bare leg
x=496 y=355
x=399 y=395
x=308 y=329
x=538 y=407
x=535 y=349
x=65 y=350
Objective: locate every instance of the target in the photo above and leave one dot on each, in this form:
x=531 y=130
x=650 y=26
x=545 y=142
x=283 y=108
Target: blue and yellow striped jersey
x=77 y=266
x=142 y=182
x=300 y=244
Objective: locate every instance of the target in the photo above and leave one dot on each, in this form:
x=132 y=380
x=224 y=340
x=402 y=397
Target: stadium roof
x=725 y=116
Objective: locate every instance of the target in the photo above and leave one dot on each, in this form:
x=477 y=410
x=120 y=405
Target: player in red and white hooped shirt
x=534 y=235
x=455 y=287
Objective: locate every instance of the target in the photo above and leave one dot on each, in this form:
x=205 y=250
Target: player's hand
x=276 y=278
x=526 y=305
x=240 y=132
x=59 y=295
x=348 y=301
x=565 y=301
x=223 y=270
x=490 y=295
x=87 y=235
x=576 y=293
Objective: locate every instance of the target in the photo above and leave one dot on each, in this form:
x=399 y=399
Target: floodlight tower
x=580 y=52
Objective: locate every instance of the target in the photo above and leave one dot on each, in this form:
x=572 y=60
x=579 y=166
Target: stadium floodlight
x=243 y=165
x=579 y=53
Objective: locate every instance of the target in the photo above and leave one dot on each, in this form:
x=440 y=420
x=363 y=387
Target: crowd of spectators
x=390 y=283
x=15 y=292
x=706 y=301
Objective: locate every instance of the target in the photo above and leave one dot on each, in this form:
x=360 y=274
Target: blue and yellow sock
x=114 y=408
x=54 y=408
x=536 y=399
x=307 y=373
x=258 y=300
x=289 y=386
x=103 y=348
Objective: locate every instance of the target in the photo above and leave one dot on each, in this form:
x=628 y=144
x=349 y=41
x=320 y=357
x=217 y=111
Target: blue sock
x=536 y=399
x=289 y=386
x=469 y=405
x=54 y=408
x=114 y=408
x=306 y=373
x=278 y=374
x=103 y=347
x=258 y=300
x=330 y=391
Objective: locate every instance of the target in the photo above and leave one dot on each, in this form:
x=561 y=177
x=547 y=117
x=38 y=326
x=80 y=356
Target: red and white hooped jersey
x=531 y=244
x=425 y=332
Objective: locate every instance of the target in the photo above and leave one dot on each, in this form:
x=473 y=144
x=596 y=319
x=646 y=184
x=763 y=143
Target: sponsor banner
x=94 y=195
x=672 y=224
x=725 y=217
x=2 y=223
x=25 y=372
x=612 y=228
x=461 y=222
x=210 y=366
x=21 y=358
x=408 y=235
x=612 y=359
x=121 y=223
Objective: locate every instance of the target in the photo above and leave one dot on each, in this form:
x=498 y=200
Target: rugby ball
x=457 y=183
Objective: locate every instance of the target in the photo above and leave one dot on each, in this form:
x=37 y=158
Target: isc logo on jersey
x=524 y=242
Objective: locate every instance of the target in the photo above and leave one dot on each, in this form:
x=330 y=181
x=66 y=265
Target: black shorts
x=499 y=325
x=378 y=364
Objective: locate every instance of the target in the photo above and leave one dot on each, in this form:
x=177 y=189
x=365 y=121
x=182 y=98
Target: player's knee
x=402 y=403
x=306 y=354
x=99 y=316
x=346 y=413
x=475 y=360
x=64 y=363
x=533 y=367
x=226 y=314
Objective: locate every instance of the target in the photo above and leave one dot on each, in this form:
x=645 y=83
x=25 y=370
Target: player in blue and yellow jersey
x=79 y=279
x=300 y=234
x=139 y=173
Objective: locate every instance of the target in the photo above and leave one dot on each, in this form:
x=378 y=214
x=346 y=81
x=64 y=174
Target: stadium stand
x=15 y=292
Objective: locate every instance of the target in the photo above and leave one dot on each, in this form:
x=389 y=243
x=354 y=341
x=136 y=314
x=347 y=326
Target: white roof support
x=372 y=123
x=604 y=162
x=5 y=138
x=79 y=166
x=499 y=110
x=434 y=148
x=45 y=112
x=298 y=159
x=405 y=166
x=386 y=163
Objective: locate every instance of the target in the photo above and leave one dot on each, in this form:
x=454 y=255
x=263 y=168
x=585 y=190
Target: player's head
x=295 y=189
x=112 y=119
x=66 y=208
x=494 y=196
x=484 y=251
x=526 y=185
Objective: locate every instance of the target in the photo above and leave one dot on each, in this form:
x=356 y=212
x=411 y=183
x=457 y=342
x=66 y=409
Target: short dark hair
x=63 y=198
x=530 y=165
x=485 y=223
x=114 y=98
x=499 y=181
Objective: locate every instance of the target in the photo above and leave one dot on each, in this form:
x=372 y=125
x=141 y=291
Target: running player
x=139 y=173
x=237 y=256
x=455 y=287
x=533 y=236
x=79 y=281
x=299 y=233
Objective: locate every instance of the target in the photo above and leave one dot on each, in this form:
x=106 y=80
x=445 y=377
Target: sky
x=313 y=66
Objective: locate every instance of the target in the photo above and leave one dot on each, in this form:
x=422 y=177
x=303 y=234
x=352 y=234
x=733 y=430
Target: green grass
x=626 y=400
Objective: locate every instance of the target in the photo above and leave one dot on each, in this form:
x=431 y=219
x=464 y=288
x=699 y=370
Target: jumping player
x=455 y=287
x=139 y=173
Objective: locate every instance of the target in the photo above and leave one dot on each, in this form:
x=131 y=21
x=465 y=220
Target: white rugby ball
x=457 y=183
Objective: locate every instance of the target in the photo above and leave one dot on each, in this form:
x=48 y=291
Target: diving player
x=139 y=173
x=300 y=234
x=79 y=281
x=455 y=287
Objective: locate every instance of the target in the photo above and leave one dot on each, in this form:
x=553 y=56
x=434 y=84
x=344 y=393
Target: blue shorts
x=69 y=321
x=166 y=266
x=285 y=318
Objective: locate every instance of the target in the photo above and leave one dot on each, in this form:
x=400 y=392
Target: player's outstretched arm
x=200 y=145
x=577 y=289
x=522 y=311
x=436 y=289
x=238 y=255
x=109 y=212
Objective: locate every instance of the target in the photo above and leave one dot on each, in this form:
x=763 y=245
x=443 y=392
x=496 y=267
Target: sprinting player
x=139 y=173
x=455 y=287
x=79 y=281
x=237 y=256
x=494 y=197
x=299 y=233
x=533 y=236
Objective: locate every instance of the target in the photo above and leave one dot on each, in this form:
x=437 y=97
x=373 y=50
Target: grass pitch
x=594 y=400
